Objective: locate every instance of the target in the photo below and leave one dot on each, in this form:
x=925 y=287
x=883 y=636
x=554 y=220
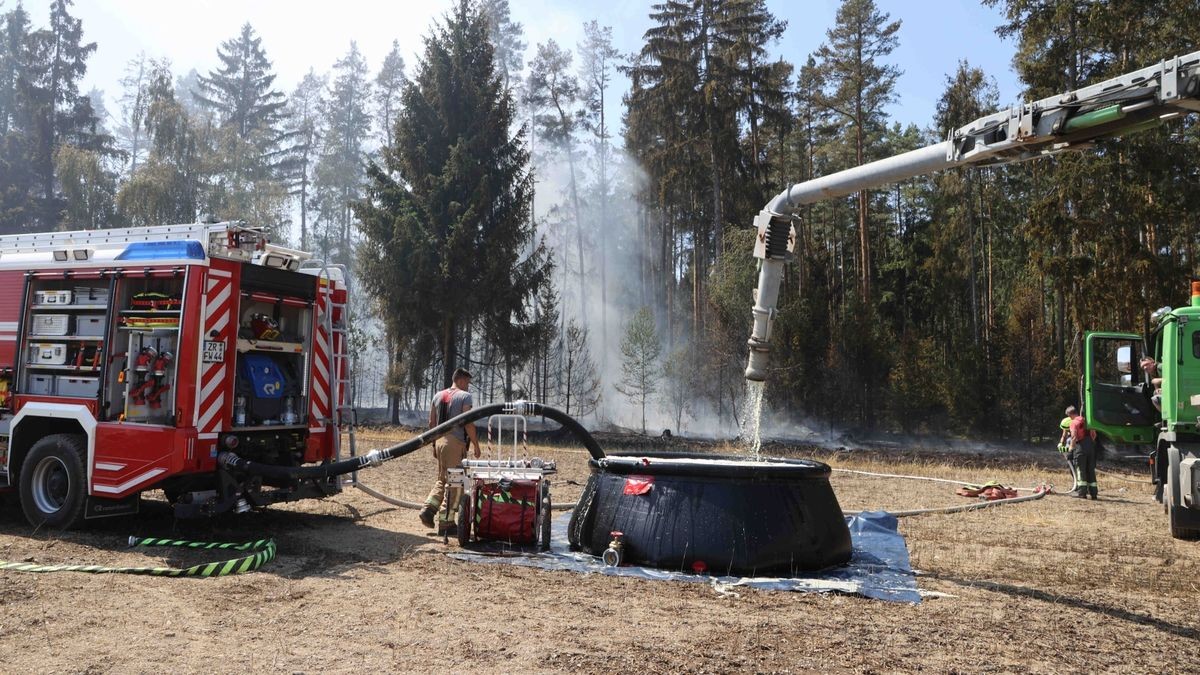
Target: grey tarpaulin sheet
x=879 y=568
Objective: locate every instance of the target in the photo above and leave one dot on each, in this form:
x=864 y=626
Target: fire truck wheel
x=54 y=481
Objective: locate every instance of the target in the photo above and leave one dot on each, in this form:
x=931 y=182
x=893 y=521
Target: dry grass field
x=1053 y=585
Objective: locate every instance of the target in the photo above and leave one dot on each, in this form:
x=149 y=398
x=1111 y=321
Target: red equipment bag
x=505 y=511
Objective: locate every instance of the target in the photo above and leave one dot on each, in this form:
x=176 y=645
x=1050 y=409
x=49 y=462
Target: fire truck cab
x=130 y=357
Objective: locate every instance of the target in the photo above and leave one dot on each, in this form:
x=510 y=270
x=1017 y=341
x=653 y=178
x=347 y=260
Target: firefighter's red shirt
x=1079 y=428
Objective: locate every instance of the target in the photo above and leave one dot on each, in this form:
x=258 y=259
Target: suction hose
x=1035 y=493
x=376 y=457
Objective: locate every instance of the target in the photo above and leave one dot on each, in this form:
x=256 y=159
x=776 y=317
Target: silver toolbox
x=72 y=385
x=40 y=385
x=47 y=354
x=52 y=297
x=49 y=324
x=89 y=326
x=91 y=295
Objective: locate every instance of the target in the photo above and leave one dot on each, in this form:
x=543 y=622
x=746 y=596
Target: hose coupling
x=522 y=408
x=228 y=459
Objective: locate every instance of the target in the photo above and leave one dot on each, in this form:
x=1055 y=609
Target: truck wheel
x=1176 y=512
x=54 y=481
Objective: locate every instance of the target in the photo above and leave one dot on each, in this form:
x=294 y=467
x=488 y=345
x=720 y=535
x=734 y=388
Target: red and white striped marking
x=214 y=377
x=322 y=378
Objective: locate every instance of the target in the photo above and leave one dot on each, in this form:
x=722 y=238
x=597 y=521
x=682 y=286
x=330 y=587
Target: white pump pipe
x=1068 y=121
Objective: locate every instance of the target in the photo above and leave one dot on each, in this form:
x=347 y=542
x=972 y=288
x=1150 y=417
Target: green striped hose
x=259 y=553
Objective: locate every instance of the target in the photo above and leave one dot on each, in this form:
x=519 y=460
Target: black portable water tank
x=732 y=515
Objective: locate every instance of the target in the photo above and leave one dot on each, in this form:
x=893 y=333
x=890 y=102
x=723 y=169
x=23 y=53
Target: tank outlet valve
x=614 y=555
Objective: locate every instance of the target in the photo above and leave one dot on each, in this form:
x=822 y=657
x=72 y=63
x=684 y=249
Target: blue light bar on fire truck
x=162 y=250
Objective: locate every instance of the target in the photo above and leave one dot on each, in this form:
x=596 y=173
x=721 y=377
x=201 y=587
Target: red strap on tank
x=638 y=485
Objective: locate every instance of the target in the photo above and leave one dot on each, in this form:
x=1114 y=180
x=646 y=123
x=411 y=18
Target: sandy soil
x=1053 y=585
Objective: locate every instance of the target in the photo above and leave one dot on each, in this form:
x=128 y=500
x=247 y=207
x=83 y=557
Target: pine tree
x=688 y=88
x=554 y=93
x=341 y=170
x=246 y=158
x=760 y=86
x=598 y=61
x=135 y=101
x=679 y=386
x=579 y=381
x=389 y=85
x=57 y=62
x=17 y=118
x=507 y=40
x=665 y=131
x=303 y=114
x=14 y=57
x=856 y=85
x=88 y=188
x=240 y=91
x=455 y=184
x=640 y=352
x=957 y=242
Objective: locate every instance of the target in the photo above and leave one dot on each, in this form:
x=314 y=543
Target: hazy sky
x=299 y=34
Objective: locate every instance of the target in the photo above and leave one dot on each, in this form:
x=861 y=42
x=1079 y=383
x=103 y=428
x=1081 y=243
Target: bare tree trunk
x=578 y=234
x=603 y=232
x=448 y=352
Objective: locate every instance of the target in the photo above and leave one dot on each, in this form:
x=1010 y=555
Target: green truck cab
x=1157 y=407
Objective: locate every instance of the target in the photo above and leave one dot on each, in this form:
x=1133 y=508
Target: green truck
x=1156 y=407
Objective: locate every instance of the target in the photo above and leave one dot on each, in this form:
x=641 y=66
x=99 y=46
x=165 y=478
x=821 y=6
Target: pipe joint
x=522 y=408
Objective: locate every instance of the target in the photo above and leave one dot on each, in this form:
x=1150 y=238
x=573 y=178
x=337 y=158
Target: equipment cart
x=504 y=499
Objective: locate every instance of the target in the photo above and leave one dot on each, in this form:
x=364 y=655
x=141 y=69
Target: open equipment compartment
x=63 y=351
x=274 y=339
x=149 y=312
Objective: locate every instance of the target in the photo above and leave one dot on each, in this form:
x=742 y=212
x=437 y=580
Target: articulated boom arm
x=1070 y=121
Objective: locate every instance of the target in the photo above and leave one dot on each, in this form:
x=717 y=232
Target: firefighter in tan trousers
x=452 y=449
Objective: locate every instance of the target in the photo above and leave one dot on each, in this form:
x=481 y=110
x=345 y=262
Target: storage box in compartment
x=81 y=387
x=49 y=324
x=89 y=326
x=40 y=385
x=91 y=295
x=52 y=297
x=47 y=354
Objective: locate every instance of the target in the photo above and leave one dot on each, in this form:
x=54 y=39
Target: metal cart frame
x=464 y=483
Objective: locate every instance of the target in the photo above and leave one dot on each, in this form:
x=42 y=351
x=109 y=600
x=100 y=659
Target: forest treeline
x=501 y=218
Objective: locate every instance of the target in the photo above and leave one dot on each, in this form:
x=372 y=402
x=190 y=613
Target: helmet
x=264 y=327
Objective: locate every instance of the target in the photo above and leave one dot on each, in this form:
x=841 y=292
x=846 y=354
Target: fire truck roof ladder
x=231 y=239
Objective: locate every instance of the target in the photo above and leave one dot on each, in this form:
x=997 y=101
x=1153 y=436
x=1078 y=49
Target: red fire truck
x=130 y=358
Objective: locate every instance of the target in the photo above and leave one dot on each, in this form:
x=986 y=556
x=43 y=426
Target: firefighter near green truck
x=1145 y=391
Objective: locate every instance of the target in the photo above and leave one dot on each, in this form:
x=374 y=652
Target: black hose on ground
x=231 y=460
